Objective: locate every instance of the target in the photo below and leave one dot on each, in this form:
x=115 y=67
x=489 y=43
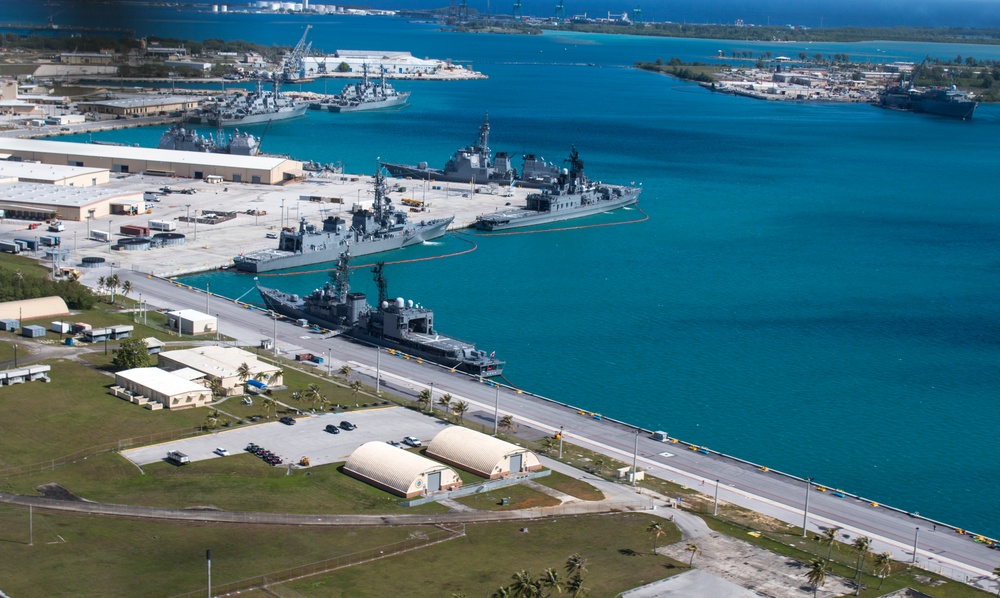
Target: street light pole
x=560 y=441
x=805 y=512
x=378 y=371
x=916 y=534
x=15 y=354
x=496 y=411
x=635 y=458
x=715 y=509
x=208 y=295
x=208 y=559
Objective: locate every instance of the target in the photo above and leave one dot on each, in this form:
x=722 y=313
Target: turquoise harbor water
x=816 y=288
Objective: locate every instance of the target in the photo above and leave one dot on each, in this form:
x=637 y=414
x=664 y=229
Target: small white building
x=481 y=454
x=222 y=364
x=399 y=471
x=191 y=321
x=142 y=385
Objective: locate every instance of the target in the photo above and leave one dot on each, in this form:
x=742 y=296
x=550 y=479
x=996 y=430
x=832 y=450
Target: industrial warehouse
x=481 y=454
x=121 y=159
x=395 y=470
x=222 y=364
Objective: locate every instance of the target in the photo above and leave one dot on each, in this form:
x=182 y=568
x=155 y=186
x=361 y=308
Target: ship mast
x=381 y=199
x=383 y=292
x=484 y=140
x=341 y=277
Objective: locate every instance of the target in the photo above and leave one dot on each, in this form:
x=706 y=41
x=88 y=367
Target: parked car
x=411 y=441
x=288 y=421
x=332 y=429
x=271 y=236
x=221 y=452
x=346 y=425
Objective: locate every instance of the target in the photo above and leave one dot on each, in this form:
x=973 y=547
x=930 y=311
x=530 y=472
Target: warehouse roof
x=159 y=380
x=390 y=466
x=470 y=449
x=139 y=153
x=31 y=309
x=44 y=172
x=34 y=194
x=221 y=362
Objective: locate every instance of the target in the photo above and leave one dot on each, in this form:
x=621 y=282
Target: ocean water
x=816 y=288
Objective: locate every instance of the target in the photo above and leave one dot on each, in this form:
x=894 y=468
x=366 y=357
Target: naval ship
x=366 y=95
x=383 y=228
x=258 y=106
x=473 y=164
x=188 y=140
x=571 y=195
x=396 y=324
x=948 y=102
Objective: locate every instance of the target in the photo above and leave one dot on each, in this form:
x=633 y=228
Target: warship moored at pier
x=258 y=106
x=383 y=228
x=571 y=195
x=395 y=324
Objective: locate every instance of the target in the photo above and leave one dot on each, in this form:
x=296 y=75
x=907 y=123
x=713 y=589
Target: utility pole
x=635 y=458
x=805 y=512
x=496 y=410
x=378 y=371
x=916 y=534
x=715 y=509
x=208 y=558
x=560 y=441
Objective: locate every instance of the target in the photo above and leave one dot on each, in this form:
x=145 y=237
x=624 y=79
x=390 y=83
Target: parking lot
x=306 y=438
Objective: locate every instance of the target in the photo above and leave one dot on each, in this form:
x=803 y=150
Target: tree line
x=15 y=286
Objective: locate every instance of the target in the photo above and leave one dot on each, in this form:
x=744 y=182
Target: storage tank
x=168 y=239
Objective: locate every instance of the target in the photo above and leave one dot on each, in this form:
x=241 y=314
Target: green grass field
x=84 y=556
x=567 y=485
x=520 y=498
x=617 y=549
x=241 y=482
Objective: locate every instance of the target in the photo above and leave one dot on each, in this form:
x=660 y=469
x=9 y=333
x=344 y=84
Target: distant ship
x=366 y=95
x=396 y=324
x=948 y=102
x=188 y=140
x=473 y=164
x=258 y=106
x=382 y=228
x=571 y=195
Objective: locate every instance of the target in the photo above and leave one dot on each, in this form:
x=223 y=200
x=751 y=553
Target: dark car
x=288 y=421
x=346 y=425
x=332 y=429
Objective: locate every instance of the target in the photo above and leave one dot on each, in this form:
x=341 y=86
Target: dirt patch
x=57 y=492
x=765 y=572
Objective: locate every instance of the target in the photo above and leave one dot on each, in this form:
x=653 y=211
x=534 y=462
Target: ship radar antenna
x=383 y=293
x=575 y=163
x=342 y=277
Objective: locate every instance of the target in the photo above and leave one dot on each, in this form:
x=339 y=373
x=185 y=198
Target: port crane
x=292 y=70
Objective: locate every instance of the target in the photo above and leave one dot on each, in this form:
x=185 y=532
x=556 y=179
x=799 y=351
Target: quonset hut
x=398 y=471
x=481 y=454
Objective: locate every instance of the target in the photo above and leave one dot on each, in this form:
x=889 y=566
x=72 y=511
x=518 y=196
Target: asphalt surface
x=940 y=547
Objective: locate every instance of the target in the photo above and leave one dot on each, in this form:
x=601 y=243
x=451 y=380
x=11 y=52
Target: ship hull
x=280 y=303
x=253 y=119
x=405 y=171
x=268 y=260
x=963 y=110
x=385 y=104
x=521 y=218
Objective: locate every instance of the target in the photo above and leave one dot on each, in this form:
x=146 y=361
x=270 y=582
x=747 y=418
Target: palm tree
x=459 y=408
x=575 y=587
x=829 y=538
x=861 y=545
x=550 y=581
x=503 y=592
x=356 y=388
x=883 y=566
x=345 y=371
x=270 y=406
x=113 y=284
x=244 y=373
x=655 y=530
x=215 y=385
x=313 y=395
x=102 y=282
x=444 y=402
x=424 y=399
x=507 y=424
x=526 y=586
x=126 y=288
x=277 y=375
x=818 y=569
x=996 y=571
x=693 y=549
x=575 y=565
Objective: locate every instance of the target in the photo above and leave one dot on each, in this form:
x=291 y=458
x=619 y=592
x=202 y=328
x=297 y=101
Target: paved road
x=940 y=548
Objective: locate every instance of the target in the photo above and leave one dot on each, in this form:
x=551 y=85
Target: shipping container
x=135 y=230
x=100 y=235
x=167 y=225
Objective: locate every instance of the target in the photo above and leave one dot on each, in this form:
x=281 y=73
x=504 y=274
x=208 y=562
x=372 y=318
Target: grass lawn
x=241 y=482
x=520 y=498
x=75 y=411
x=85 y=556
x=843 y=561
x=617 y=549
x=573 y=487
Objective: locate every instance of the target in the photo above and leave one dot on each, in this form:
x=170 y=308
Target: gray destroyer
x=396 y=324
x=188 y=140
x=258 y=106
x=383 y=228
x=472 y=164
x=366 y=95
x=570 y=195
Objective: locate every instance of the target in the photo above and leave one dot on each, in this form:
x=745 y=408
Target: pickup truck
x=178 y=457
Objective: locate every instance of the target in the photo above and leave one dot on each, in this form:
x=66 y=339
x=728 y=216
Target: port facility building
x=168 y=389
x=399 y=471
x=481 y=454
x=39 y=201
x=139 y=105
x=223 y=364
x=398 y=63
x=193 y=165
x=54 y=174
x=192 y=321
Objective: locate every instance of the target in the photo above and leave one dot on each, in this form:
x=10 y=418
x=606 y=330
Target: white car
x=411 y=441
x=221 y=452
